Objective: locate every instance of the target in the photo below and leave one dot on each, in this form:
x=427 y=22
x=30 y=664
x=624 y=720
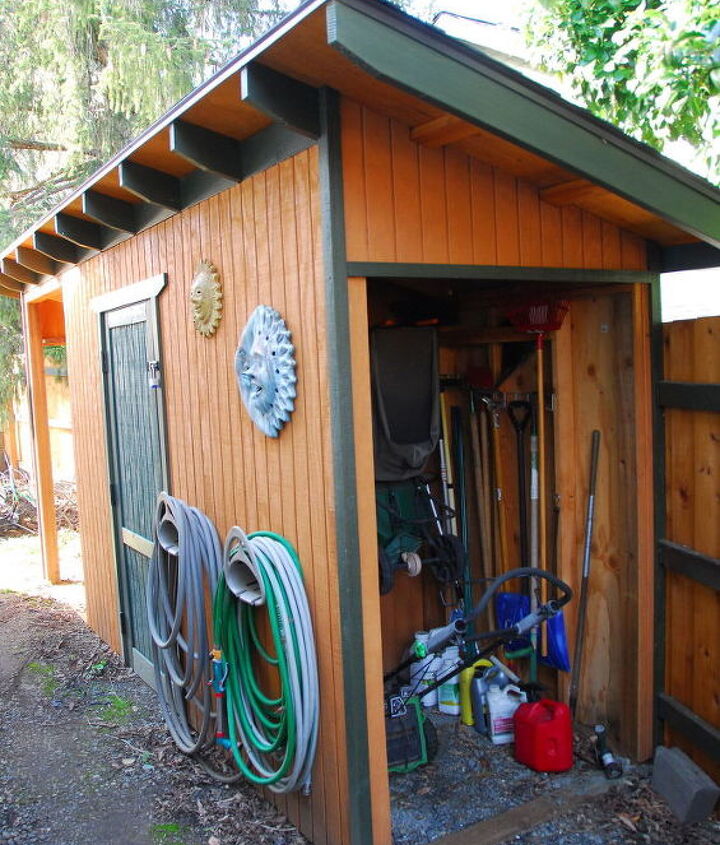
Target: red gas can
x=543 y=736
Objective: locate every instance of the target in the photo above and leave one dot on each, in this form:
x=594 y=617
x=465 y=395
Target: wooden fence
x=689 y=629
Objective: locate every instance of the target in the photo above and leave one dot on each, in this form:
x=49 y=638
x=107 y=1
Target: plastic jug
x=543 y=736
x=449 y=692
x=501 y=705
x=483 y=679
x=467 y=675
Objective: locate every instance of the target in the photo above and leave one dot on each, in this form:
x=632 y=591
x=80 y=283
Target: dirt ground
x=85 y=758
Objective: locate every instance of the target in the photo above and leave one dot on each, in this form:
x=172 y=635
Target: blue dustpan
x=557 y=655
x=512 y=607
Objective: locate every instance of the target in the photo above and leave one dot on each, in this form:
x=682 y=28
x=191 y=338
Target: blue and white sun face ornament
x=265 y=370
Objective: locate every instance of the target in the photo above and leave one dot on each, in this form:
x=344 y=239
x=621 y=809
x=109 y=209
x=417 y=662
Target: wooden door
x=138 y=467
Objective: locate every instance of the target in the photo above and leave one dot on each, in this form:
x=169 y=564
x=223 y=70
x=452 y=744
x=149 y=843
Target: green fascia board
x=466 y=88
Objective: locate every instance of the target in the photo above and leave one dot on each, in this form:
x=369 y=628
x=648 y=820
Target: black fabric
x=406 y=405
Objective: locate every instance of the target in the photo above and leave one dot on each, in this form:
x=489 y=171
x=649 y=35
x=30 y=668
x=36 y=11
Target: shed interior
x=592 y=375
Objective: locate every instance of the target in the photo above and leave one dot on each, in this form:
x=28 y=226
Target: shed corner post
x=359 y=827
x=40 y=428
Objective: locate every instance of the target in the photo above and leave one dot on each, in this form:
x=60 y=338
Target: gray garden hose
x=186 y=561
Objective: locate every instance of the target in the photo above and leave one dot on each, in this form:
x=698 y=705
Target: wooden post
x=42 y=462
x=365 y=480
x=643 y=610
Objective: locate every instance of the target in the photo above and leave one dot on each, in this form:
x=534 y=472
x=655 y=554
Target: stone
x=689 y=791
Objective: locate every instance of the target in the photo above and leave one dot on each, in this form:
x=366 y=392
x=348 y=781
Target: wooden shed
x=351 y=159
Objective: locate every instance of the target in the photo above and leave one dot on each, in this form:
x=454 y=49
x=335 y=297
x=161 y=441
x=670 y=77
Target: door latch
x=153 y=374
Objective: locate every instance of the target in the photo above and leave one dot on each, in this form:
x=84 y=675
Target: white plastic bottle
x=449 y=692
x=422 y=673
x=501 y=705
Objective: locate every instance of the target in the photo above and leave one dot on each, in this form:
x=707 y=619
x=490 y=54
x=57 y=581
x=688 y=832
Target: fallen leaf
x=128 y=761
x=214 y=841
x=627 y=821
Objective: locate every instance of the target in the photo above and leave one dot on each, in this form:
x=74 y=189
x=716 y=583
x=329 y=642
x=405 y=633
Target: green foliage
x=56 y=354
x=79 y=79
x=12 y=375
x=651 y=67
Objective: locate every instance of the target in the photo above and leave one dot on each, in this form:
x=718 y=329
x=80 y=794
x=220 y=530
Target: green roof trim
x=419 y=60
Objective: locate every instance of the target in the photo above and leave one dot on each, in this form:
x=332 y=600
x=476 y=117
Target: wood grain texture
x=367 y=530
x=692 y=463
x=264 y=238
x=407 y=201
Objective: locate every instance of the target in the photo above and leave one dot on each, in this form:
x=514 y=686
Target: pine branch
x=38 y=146
x=47 y=187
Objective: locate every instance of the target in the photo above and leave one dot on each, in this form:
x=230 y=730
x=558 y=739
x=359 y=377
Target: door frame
x=147 y=291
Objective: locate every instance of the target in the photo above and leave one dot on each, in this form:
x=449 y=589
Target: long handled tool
x=540 y=318
x=585 y=583
x=520 y=413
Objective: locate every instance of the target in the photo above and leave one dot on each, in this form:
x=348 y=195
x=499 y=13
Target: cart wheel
x=431 y=739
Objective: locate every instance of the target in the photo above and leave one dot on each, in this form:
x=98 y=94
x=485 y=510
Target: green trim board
x=658 y=423
x=689 y=396
x=434 y=68
x=695 y=256
x=700 y=732
x=492 y=272
x=686 y=561
x=344 y=473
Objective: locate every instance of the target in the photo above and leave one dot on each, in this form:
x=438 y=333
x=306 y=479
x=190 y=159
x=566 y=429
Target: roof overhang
x=262 y=107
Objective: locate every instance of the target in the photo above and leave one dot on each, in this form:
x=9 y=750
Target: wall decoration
x=206 y=298
x=265 y=370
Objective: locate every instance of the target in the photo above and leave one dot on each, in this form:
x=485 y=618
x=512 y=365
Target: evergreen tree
x=79 y=79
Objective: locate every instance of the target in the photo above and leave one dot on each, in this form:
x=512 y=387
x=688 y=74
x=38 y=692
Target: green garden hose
x=273 y=738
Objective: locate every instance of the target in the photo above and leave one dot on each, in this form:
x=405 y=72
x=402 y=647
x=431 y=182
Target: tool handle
x=520 y=413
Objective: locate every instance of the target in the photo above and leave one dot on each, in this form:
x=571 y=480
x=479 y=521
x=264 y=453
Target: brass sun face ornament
x=265 y=370
x=206 y=298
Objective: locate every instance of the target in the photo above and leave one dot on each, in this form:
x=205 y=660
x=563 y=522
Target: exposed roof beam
x=446 y=129
x=571 y=192
x=109 y=211
x=292 y=103
x=10 y=287
x=151 y=185
x=16 y=271
x=85 y=233
x=60 y=249
x=207 y=150
x=456 y=79
x=36 y=261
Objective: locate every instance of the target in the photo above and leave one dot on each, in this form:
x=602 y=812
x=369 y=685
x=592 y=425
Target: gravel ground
x=85 y=758
x=472 y=780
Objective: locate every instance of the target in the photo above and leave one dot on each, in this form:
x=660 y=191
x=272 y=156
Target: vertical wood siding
x=405 y=202
x=264 y=238
x=692 y=628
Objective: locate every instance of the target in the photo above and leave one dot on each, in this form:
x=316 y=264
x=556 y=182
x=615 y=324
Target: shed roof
x=262 y=106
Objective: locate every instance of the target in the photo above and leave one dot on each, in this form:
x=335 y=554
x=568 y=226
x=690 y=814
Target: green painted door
x=138 y=469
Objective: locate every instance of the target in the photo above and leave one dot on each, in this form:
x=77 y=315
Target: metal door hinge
x=153 y=374
x=113 y=494
x=123 y=623
x=104 y=362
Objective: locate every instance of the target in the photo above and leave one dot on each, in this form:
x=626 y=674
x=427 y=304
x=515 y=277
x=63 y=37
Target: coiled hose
x=273 y=738
x=186 y=560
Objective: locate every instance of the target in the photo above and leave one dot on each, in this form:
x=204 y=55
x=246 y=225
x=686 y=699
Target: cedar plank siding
x=264 y=237
x=408 y=203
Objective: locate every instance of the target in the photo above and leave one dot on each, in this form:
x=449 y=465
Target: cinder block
x=689 y=791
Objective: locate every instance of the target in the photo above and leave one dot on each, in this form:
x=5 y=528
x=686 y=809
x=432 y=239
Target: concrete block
x=690 y=792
